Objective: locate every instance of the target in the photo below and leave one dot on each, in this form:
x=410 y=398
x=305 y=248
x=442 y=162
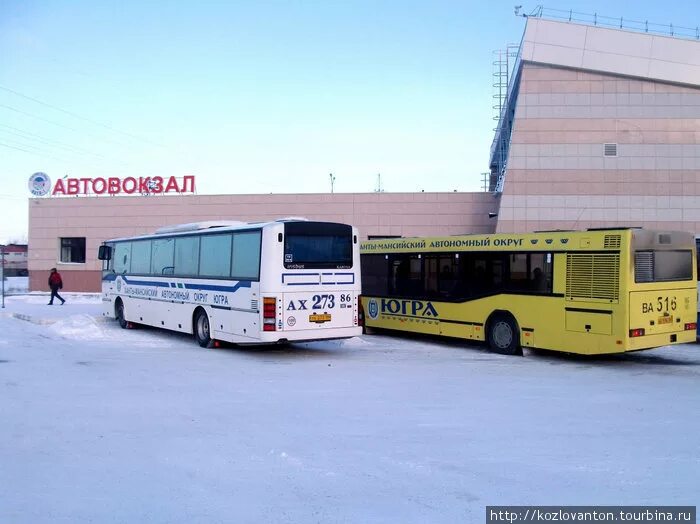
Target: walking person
x=55 y=283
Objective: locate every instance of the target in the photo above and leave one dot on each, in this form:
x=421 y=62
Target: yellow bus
x=588 y=292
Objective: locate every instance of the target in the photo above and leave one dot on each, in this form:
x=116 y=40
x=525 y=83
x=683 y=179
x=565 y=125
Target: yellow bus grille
x=611 y=241
x=593 y=276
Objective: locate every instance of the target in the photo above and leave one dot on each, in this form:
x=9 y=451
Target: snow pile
x=80 y=327
x=355 y=342
x=16 y=285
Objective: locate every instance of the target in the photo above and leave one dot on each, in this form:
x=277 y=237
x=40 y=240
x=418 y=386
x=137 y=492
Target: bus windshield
x=316 y=245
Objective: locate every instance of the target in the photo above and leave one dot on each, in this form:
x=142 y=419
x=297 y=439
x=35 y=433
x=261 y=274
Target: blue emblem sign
x=373 y=309
x=39 y=184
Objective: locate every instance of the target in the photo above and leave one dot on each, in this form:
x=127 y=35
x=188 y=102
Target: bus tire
x=366 y=330
x=119 y=314
x=201 y=328
x=504 y=335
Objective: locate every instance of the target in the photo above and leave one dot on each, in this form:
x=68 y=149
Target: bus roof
x=207 y=226
x=198 y=227
x=587 y=240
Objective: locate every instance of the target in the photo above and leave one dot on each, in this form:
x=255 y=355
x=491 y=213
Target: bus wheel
x=201 y=328
x=504 y=335
x=119 y=313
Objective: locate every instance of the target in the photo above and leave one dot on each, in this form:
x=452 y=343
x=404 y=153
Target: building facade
x=14 y=261
x=66 y=232
x=604 y=129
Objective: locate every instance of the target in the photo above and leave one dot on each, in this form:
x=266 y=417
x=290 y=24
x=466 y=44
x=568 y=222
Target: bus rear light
x=360 y=314
x=269 y=313
x=691 y=326
x=269 y=306
x=637 y=332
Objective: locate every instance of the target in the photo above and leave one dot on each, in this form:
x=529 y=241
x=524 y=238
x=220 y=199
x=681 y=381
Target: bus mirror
x=104 y=253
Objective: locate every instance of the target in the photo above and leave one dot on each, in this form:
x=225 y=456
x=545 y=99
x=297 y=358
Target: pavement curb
x=48 y=321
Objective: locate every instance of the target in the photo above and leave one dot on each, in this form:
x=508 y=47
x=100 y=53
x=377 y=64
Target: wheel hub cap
x=502 y=335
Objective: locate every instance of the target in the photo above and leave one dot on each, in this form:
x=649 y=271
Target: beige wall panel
x=543 y=78
x=101 y=218
x=611 y=50
x=558 y=176
x=76 y=281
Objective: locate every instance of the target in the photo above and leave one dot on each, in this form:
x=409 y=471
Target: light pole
x=332 y=177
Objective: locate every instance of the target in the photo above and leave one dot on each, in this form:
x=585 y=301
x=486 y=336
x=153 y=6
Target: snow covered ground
x=14 y=285
x=98 y=424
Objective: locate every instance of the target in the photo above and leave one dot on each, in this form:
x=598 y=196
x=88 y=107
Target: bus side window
x=215 y=255
x=440 y=276
x=406 y=276
x=477 y=278
x=122 y=258
x=375 y=275
x=430 y=283
x=518 y=277
x=497 y=273
x=163 y=256
x=401 y=277
x=540 y=272
x=485 y=273
x=186 y=256
x=448 y=281
x=245 y=259
x=538 y=280
x=141 y=257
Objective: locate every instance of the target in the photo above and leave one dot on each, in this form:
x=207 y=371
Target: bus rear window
x=663 y=266
x=317 y=245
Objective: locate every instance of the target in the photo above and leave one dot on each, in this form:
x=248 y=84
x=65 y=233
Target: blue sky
x=258 y=96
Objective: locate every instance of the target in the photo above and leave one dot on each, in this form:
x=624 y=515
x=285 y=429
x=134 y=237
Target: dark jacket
x=55 y=280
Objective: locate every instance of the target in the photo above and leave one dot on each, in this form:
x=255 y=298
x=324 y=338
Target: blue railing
x=501 y=140
x=642 y=26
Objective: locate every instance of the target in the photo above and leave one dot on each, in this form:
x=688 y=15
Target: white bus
x=245 y=283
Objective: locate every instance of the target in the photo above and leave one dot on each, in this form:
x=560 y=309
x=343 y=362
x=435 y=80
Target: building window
x=73 y=250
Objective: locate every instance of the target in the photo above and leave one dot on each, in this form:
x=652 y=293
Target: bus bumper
x=661 y=339
x=275 y=337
